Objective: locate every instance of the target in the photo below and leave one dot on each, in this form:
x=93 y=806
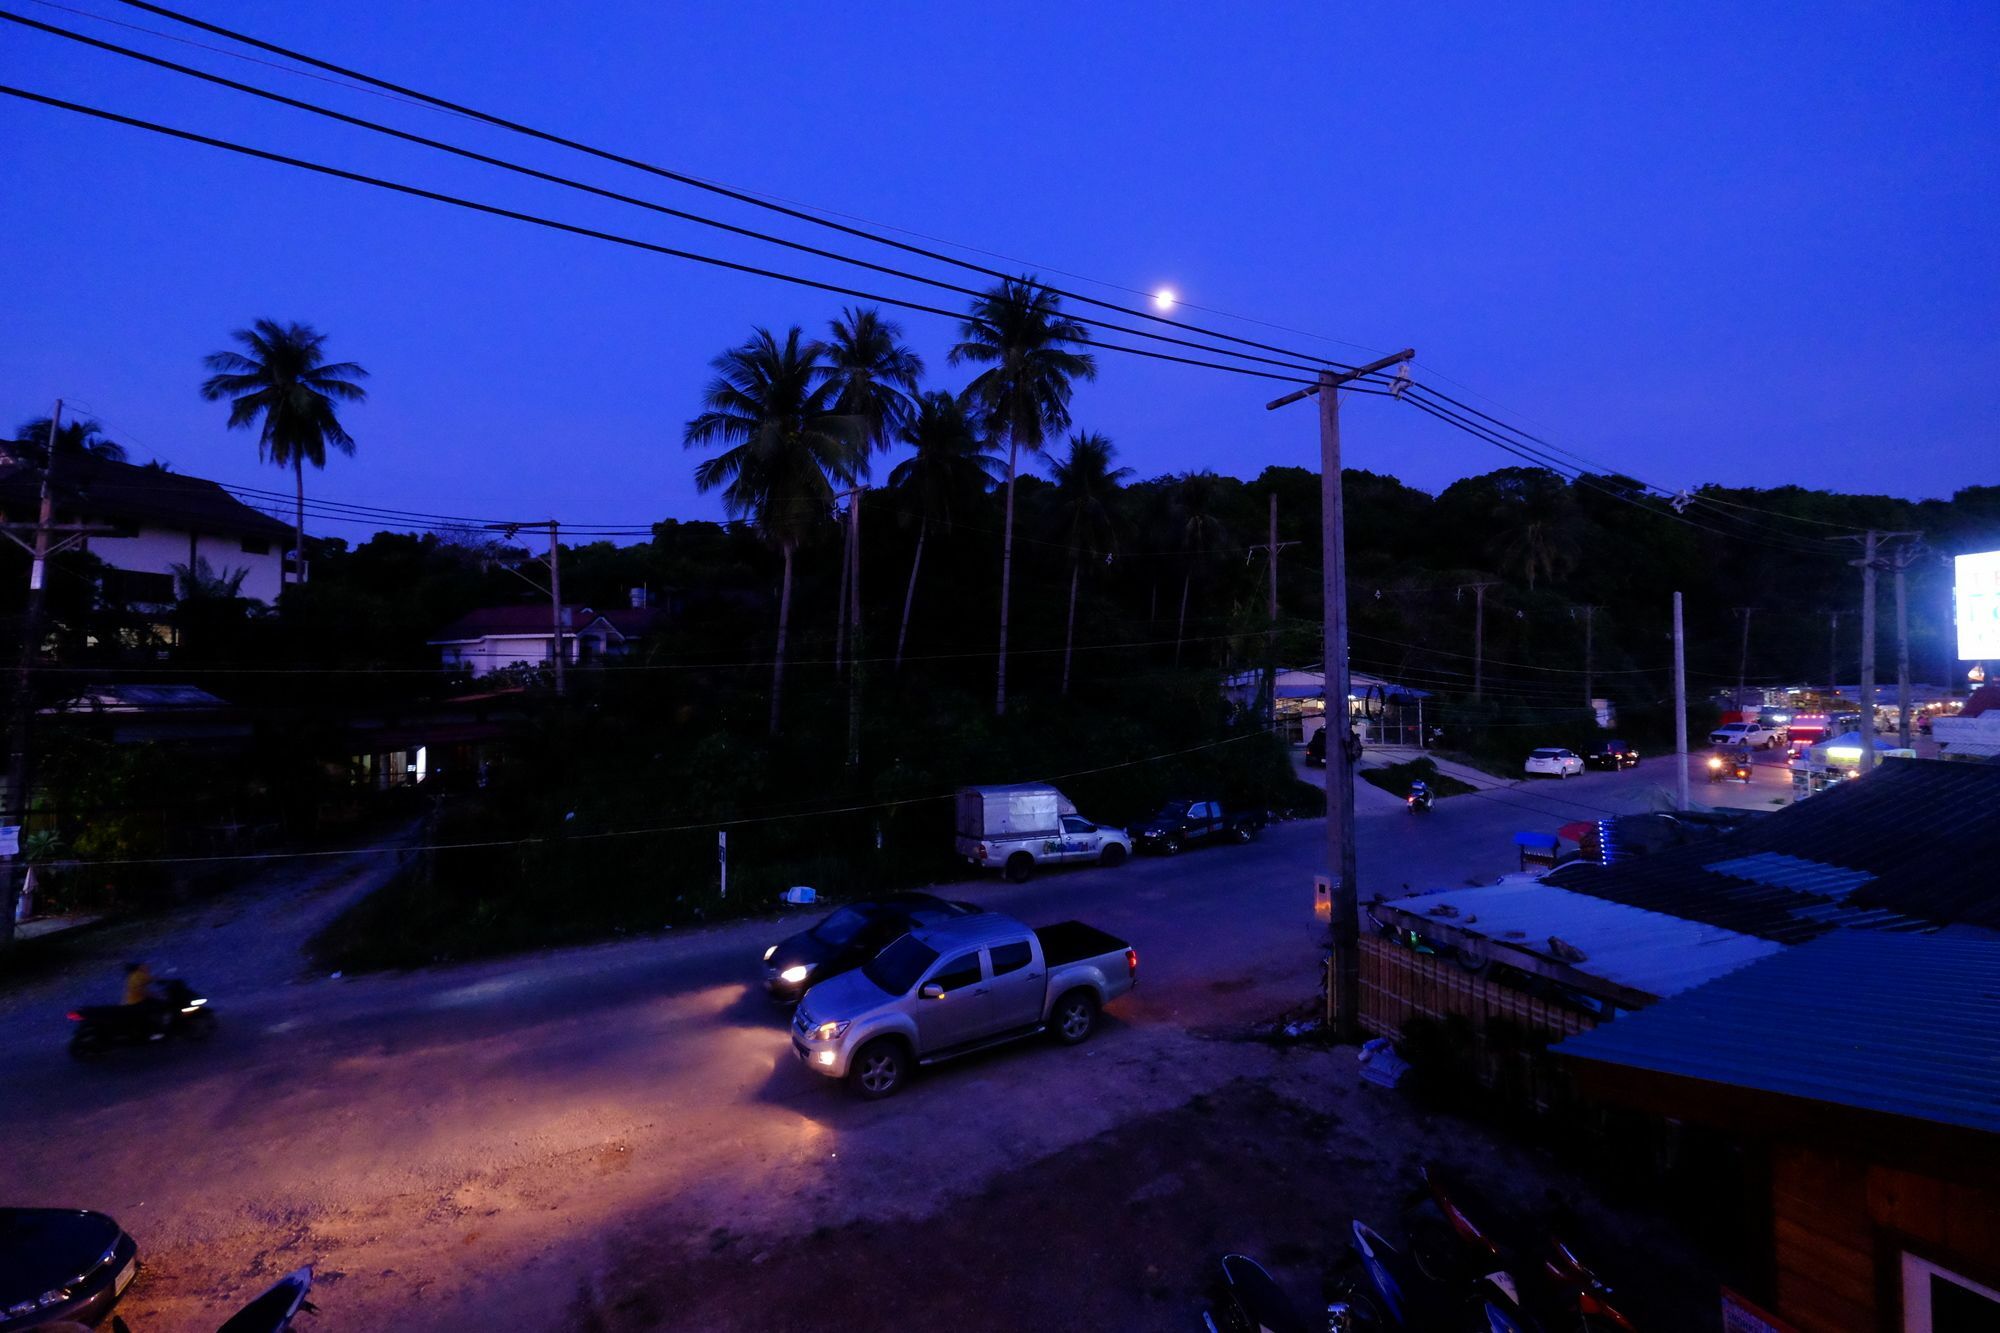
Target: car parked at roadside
x=1553 y=762
x=848 y=937
x=1611 y=754
x=61 y=1264
x=1183 y=823
x=1753 y=734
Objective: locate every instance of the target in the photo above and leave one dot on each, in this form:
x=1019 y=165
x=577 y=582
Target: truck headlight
x=768 y=952
x=796 y=973
x=829 y=1031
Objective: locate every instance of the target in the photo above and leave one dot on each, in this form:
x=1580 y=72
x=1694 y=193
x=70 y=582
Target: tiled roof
x=1907 y=1025
x=1913 y=845
x=99 y=488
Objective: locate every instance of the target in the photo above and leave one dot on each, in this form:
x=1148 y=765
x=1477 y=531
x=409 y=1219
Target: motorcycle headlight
x=829 y=1031
x=796 y=973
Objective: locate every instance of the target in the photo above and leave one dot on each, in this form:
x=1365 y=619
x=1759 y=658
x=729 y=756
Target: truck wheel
x=86 y=1044
x=1172 y=846
x=1020 y=867
x=199 y=1026
x=1113 y=855
x=1074 y=1017
x=879 y=1069
x=1244 y=833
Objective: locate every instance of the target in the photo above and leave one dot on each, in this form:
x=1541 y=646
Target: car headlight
x=829 y=1031
x=796 y=973
x=768 y=952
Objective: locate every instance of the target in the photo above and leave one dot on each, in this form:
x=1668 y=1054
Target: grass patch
x=1397 y=778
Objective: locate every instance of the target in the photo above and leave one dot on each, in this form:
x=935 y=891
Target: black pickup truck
x=1183 y=823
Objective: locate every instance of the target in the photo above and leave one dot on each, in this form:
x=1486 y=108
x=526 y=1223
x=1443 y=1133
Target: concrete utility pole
x=1269 y=693
x=555 y=601
x=1743 y=655
x=1900 y=563
x=1589 y=693
x=1833 y=654
x=1340 y=755
x=1478 y=636
x=854 y=664
x=1680 y=711
x=1870 y=562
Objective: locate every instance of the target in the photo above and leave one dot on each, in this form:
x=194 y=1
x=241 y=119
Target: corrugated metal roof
x=1925 y=833
x=1660 y=955
x=1793 y=872
x=1908 y=1025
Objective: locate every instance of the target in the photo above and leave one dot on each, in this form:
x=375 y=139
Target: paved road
x=464 y=1146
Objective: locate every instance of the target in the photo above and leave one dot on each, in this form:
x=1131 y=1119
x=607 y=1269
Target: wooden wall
x=1398 y=984
x=1840 y=1224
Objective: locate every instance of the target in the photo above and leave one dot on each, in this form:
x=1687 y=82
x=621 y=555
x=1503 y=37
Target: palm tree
x=1195 y=498
x=288 y=388
x=1086 y=487
x=951 y=464
x=74 y=436
x=1020 y=334
x=785 y=448
x=874 y=377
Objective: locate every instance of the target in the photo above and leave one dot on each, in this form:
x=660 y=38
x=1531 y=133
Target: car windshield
x=1173 y=810
x=897 y=967
x=841 y=927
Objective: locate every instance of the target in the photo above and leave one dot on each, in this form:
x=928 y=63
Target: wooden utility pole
x=1680 y=711
x=1340 y=751
x=1589 y=662
x=1478 y=636
x=1743 y=655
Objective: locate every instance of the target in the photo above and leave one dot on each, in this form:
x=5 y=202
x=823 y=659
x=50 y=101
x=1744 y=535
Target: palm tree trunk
x=298 y=528
x=1180 y=630
x=1006 y=574
x=1069 y=634
x=784 y=621
x=910 y=596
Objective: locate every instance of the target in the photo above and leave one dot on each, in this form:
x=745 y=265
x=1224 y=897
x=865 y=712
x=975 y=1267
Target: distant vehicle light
x=794 y=974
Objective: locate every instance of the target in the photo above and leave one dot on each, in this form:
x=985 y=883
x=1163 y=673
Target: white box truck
x=1018 y=827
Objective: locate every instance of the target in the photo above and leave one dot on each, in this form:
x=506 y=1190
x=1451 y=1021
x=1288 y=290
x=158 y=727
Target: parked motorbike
x=1248 y=1300
x=1421 y=798
x=1387 y=1290
x=178 y=1011
x=1557 y=1285
x=272 y=1312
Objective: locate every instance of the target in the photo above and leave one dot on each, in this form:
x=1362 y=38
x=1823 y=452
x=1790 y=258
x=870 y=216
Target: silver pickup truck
x=956 y=987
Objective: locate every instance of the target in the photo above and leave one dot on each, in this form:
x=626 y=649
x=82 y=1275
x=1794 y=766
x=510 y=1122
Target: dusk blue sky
x=1696 y=242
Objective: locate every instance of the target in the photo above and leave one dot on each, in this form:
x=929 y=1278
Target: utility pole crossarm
x=1337 y=378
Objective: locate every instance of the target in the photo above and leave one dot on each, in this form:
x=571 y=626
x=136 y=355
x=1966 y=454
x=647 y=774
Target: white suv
x=1753 y=734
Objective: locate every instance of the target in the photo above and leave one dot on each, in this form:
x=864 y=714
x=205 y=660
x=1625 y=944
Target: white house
x=496 y=637
x=158 y=519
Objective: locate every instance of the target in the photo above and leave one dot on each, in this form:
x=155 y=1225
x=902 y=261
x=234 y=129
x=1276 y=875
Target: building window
x=1937 y=1300
x=256 y=546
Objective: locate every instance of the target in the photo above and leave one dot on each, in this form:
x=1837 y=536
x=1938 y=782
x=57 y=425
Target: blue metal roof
x=1907 y=1025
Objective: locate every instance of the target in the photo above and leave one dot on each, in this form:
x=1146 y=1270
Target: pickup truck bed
x=1073 y=941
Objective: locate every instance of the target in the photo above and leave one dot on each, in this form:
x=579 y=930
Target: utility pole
x=1680 y=710
x=1833 y=654
x=1268 y=696
x=854 y=667
x=840 y=603
x=555 y=601
x=1743 y=655
x=1340 y=756
x=1478 y=636
x=1905 y=556
x=1870 y=562
x=1589 y=661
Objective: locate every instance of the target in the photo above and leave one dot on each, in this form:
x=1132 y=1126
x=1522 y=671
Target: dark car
x=1189 y=823
x=1611 y=754
x=848 y=937
x=1316 y=749
x=61 y=1264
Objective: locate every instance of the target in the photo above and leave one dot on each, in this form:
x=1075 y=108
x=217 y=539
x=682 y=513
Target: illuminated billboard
x=1976 y=593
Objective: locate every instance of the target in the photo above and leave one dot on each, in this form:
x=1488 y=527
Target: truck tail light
x=980 y=851
x=1131 y=962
